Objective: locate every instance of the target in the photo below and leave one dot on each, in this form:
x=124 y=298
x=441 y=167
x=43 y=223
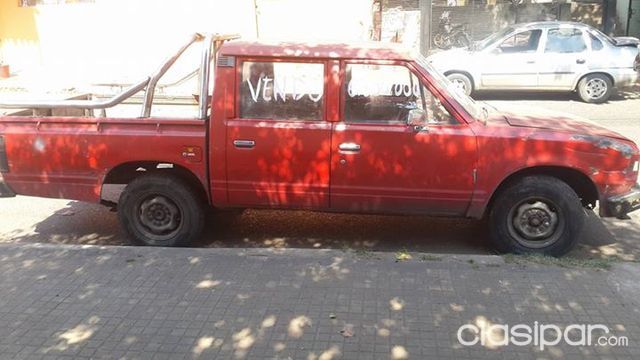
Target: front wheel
x=441 y=41
x=461 y=83
x=159 y=210
x=537 y=214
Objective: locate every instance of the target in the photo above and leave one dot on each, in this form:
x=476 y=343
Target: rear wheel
x=595 y=88
x=538 y=214
x=461 y=82
x=159 y=210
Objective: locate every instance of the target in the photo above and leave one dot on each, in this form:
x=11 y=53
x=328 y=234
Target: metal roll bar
x=211 y=44
x=78 y=104
x=151 y=88
x=159 y=86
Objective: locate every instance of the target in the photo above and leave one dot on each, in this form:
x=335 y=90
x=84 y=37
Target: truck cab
x=366 y=128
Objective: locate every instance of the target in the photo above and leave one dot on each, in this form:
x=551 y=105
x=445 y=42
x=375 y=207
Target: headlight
x=608 y=143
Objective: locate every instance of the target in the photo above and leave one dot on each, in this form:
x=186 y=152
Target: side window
x=386 y=93
x=596 y=44
x=282 y=91
x=523 y=42
x=565 y=40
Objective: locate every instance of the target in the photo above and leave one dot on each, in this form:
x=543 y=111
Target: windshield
x=484 y=43
x=476 y=110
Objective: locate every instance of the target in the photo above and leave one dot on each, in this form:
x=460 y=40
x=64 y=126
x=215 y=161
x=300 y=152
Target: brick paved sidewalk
x=129 y=302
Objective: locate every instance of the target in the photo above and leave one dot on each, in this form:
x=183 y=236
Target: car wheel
x=539 y=215
x=461 y=82
x=157 y=210
x=595 y=88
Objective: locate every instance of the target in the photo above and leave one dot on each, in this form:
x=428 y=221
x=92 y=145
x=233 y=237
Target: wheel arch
x=124 y=173
x=609 y=76
x=465 y=73
x=576 y=179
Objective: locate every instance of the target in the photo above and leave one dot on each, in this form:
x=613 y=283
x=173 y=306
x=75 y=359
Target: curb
x=265 y=252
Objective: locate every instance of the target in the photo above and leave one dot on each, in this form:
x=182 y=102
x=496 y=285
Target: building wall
x=122 y=40
x=482 y=17
x=18 y=34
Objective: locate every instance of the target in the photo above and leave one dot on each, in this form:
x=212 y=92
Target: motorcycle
x=450 y=35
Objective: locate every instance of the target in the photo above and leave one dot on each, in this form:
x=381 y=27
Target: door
x=278 y=146
x=513 y=63
x=380 y=164
x=564 y=59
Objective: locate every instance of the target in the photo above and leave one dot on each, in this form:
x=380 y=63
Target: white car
x=545 y=56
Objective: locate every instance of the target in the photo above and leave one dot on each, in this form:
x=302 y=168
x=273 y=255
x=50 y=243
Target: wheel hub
x=159 y=214
x=535 y=220
x=459 y=85
x=596 y=88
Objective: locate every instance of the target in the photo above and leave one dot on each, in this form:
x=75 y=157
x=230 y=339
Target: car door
x=512 y=63
x=381 y=164
x=565 y=58
x=278 y=146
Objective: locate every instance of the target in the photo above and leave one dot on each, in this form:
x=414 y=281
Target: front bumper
x=620 y=205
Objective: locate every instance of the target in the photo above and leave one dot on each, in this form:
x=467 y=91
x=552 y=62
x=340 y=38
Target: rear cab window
x=274 y=90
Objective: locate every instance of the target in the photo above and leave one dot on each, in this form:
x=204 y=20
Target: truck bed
x=71 y=157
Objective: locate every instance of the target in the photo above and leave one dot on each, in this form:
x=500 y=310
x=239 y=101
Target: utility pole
x=256 y=12
x=425 y=26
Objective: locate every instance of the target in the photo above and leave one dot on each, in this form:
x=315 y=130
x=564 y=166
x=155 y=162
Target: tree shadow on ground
x=89 y=224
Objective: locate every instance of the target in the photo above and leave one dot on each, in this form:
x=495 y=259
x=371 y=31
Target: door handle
x=581 y=61
x=349 y=148
x=244 y=144
x=531 y=61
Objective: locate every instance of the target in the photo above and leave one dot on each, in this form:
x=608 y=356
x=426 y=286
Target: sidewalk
x=131 y=302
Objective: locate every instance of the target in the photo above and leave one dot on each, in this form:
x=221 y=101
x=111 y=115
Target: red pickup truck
x=329 y=127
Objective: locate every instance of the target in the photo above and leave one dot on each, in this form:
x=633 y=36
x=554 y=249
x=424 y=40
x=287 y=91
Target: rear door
x=278 y=146
x=565 y=57
x=380 y=164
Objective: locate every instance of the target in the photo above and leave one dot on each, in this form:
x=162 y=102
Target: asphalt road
x=24 y=219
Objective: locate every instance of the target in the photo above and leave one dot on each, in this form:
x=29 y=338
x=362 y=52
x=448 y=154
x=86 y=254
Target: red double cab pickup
x=329 y=127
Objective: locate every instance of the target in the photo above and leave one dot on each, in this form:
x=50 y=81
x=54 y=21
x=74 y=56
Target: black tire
x=544 y=206
x=595 y=88
x=161 y=210
x=463 y=80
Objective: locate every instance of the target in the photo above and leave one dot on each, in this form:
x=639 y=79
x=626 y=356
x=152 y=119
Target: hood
x=627 y=41
x=557 y=121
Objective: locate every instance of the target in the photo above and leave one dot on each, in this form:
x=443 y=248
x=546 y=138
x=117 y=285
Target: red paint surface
x=298 y=164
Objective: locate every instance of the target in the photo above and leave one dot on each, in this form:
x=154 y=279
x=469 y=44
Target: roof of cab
x=368 y=50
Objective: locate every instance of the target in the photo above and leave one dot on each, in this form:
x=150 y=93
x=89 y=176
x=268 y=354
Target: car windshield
x=484 y=43
x=475 y=109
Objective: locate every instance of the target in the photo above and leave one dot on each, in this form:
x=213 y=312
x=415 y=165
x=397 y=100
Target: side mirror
x=418 y=119
x=497 y=51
